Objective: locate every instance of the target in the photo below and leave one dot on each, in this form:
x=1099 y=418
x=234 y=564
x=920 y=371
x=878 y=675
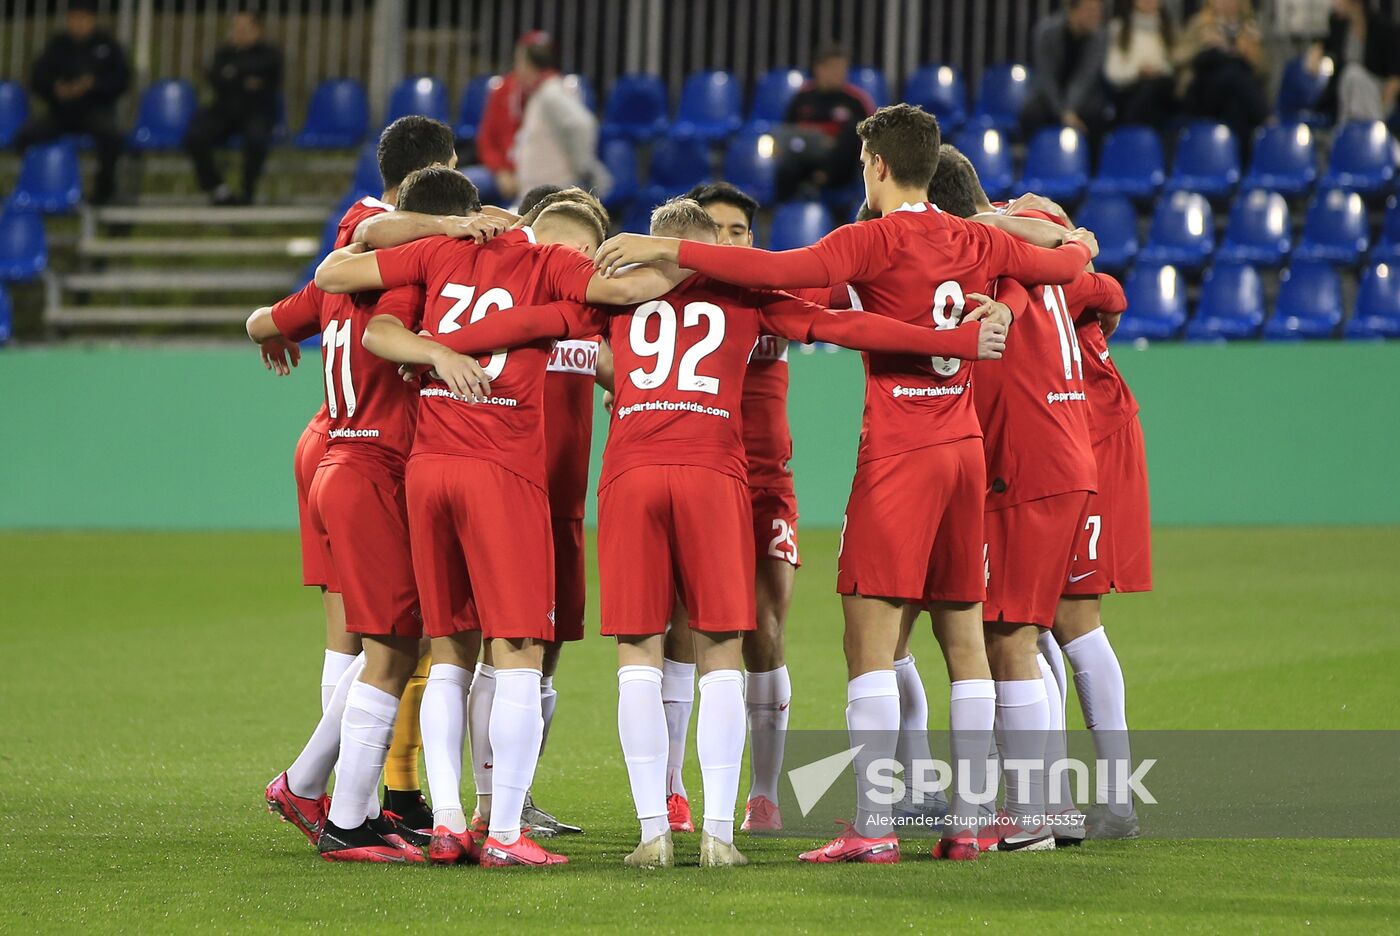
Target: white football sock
x=443 y=718
x=332 y=668
x=1058 y=795
x=872 y=721
x=913 y=732
x=479 y=718
x=719 y=741
x=767 y=697
x=366 y=730
x=678 y=698
x=1098 y=678
x=1055 y=658
x=1022 y=722
x=548 y=699
x=971 y=716
x=641 y=725
x=516 y=730
x=310 y=773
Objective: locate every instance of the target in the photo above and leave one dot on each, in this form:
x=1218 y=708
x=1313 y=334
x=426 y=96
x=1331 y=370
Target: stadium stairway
x=187 y=267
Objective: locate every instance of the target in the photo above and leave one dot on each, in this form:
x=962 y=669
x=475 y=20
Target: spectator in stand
x=81 y=74
x=500 y=122
x=246 y=76
x=828 y=106
x=1222 y=67
x=1365 y=52
x=557 y=143
x=1139 y=64
x=1067 y=63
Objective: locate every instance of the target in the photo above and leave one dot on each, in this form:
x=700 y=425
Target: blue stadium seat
x=1335 y=229
x=1388 y=250
x=1113 y=219
x=1231 y=306
x=620 y=158
x=418 y=94
x=750 y=162
x=581 y=86
x=799 y=224
x=1260 y=230
x=164 y=116
x=1207 y=160
x=485 y=181
x=474 y=99
x=1285 y=160
x=1002 y=94
x=637 y=218
x=771 y=97
x=990 y=153
x=940 y=90
x=1300 y=92
x=1364 y=157
x=336 y=118
x=1182 y=234
x=1156 y=304
x=1057 y=164
x=1309 y=303
x=636 y=109
x=872 y=81
x=6 y=316
x=48 y=179
x=1132 y=164
x=1377 y=312
x=24 y=248
x=710 y=109
x=676 y=168
x=14 y=111
x=367 y=179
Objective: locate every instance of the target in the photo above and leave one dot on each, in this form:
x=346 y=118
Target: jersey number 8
x=948 y=302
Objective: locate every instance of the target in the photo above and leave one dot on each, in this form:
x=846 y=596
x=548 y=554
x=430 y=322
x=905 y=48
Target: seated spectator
x=1365 y=53
x=80 y=75
x=557 y=143
x=1139 y=64
x=1222 y=66
x=1067 y=62
x=245 y=76
x=825 y=110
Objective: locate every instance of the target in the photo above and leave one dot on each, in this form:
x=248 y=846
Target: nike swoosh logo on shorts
x=1080 y=578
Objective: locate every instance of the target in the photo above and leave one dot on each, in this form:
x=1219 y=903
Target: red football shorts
x=570 y=585
x=359 y=515
x=775 y=524
x=1030 y=546
x=315 y=564
x=675 y=530
x=483 y=554
x=1114 y=549
x=913 y=527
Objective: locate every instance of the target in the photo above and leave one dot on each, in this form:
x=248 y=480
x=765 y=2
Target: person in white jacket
x=557 y=142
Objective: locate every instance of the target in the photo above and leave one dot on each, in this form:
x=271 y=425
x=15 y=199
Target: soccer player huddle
x=443 y=482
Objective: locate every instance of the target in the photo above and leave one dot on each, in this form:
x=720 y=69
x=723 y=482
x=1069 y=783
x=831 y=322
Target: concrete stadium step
x=149 y=315
x=210 y=216
x=184 y=280
x=297 y=247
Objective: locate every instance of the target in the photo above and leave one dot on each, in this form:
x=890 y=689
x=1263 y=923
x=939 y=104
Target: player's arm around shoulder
x=634 y=285
x=386 y=336
x=353 y=268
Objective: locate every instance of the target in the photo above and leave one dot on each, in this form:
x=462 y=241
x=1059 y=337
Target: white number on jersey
x=337 y=340
x=1095 y=526
x=948 y=301
x=663 y=348
x=784 y=544
x=495 y=298
x=1069 y=341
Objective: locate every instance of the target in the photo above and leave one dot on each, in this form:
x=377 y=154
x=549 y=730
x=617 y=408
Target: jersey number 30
x=496 y=298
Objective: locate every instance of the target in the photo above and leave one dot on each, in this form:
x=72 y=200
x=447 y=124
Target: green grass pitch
x=153 y=684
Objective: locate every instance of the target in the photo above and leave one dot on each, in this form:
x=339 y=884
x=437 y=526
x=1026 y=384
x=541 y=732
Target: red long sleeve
x=1096 y=292
x=516 y=327
x=750 y=266
x=1036 y=265
x=797 y=320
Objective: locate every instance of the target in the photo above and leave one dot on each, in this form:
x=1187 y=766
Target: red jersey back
x=1032 y=405
x=917 y=264
x=464 y=283
x=369 y=409
x=568 y=424
x=1111 y=403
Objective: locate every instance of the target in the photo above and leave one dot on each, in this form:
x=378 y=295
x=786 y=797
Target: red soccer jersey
x=370 y=410
x=916 y=265
x=1031 y=403
x=568 y=424
x=1111 y=403
x=464 y=283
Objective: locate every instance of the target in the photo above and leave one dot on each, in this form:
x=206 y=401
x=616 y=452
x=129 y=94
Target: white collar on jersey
x=921 y=206
x=373 y=202
x=529 y=233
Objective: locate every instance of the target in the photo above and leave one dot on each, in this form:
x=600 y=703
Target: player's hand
x=1108 y=321
x=463 y=376
x=627 y=249
x=1033 y=202
x=608 y=399
x=1085 y=237
x=989 y=310
x=991 y=340
x=280 y=355
x=412 y=373
x=480 y=228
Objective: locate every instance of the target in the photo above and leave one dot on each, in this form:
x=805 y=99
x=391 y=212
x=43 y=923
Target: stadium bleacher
x=1195 y=227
